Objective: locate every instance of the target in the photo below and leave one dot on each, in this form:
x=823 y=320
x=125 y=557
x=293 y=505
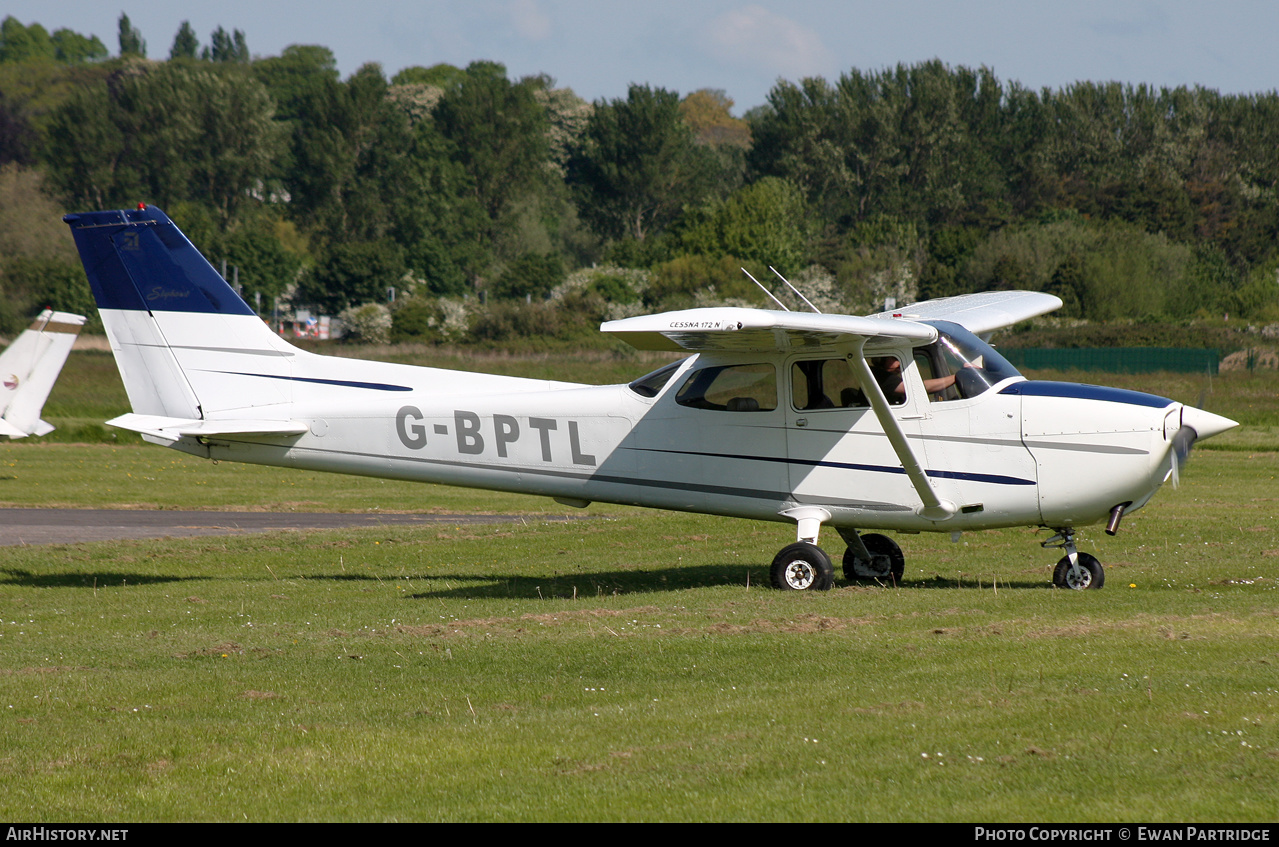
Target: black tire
x=802 y=567
x=1093 y=575
x=887 y=563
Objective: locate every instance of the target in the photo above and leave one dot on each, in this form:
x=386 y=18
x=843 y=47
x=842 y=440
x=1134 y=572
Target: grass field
x=633 y=666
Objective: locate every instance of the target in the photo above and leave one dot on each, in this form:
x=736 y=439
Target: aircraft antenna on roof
x=793 y=288
x=765 y=290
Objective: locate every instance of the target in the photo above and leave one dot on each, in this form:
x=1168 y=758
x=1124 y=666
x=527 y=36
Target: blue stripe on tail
x=137 y=259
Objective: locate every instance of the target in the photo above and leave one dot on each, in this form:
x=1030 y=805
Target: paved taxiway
x=19 y=527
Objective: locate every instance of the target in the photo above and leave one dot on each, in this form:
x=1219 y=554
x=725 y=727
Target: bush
x=532 y=275
x=505 y=320
x=416 y=319
x=686 y=281
x=370 y=323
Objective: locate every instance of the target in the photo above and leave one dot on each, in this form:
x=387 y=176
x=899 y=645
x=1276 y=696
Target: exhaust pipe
x=1116 y=515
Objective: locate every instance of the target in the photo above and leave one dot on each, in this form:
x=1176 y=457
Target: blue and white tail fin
x=188 y=347
x=28 y=369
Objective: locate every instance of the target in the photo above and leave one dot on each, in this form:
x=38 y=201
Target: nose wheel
x=1076 y=571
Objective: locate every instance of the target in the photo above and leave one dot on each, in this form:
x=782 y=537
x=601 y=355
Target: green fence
x=1115 y=359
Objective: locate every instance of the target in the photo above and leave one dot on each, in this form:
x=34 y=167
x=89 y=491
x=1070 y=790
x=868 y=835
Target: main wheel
x=1090 y=574
x=887 y=564
x=802 y=567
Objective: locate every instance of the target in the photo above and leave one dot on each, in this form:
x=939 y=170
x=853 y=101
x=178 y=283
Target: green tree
x=165 y=134
x=186 y=45
x=20 y=43
x=352 y=274
x=498 y=134
x=131 y=41
x=361 y=172
x=708 y=113
x=18 y=139
x=348 y=151
x=1112 y=270
x=34 y=44
x=762 y=224
x=73 y=48
x=295 y=74
x=637 y=165
x=442 y=75
x=264 y=264
x=916 y=141
x=225 y=47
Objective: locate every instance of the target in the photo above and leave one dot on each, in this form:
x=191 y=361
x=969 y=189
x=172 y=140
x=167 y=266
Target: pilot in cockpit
x=888 y=373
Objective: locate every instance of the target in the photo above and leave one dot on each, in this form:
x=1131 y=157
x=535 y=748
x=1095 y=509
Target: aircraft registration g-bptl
x=905 y=421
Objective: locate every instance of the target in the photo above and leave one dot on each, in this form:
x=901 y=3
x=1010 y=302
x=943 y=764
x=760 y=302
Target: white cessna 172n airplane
x=904 y=421
x=28 y=369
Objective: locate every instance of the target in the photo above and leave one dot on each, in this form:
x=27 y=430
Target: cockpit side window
x=825 y=384
x=731 y=388
x=887 y=371
x=962 y=364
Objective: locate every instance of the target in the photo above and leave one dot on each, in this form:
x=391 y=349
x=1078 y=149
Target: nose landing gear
x=1076 y=571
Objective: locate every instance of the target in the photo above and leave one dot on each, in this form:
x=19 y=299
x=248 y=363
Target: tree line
x=464 y=203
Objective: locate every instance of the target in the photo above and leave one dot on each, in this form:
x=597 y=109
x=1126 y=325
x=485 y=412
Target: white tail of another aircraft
x=29 y=367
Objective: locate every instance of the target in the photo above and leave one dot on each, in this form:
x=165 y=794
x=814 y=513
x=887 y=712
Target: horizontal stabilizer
x=8 y=430
x=172 y=429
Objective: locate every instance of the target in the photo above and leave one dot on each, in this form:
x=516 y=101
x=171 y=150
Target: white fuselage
x=1004 y=459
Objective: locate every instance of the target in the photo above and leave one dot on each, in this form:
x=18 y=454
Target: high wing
x=981 y=313
x=737 y=330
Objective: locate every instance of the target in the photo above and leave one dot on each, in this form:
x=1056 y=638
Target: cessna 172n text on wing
x=28 y=369
x=904 y=421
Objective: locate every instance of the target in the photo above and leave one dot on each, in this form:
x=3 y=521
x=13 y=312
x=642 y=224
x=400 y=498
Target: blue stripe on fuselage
x=1074 y=390
x=346 y=383
x=994 y=479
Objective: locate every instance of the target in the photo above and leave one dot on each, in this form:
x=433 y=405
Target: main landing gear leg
x=1077 y=571
x=803 y=566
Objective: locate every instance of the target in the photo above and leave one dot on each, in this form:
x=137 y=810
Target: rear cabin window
x=731 y=388
x=650 y=385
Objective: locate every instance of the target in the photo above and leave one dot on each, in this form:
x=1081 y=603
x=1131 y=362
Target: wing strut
x=935 y=508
